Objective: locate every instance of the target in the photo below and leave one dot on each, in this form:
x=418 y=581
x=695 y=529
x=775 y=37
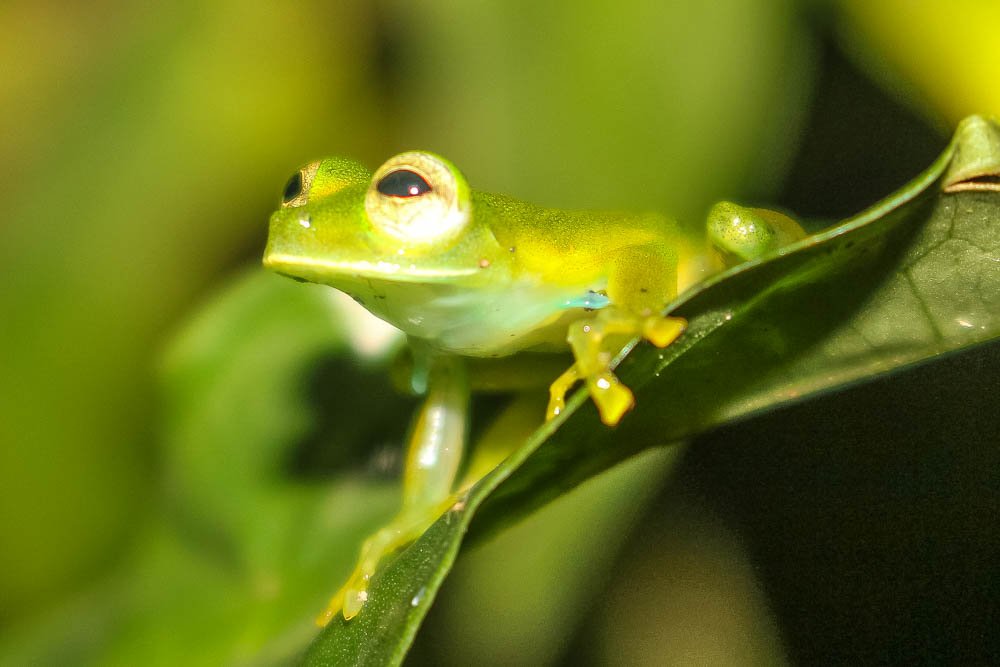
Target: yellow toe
x=613 y=399
x=662 y=331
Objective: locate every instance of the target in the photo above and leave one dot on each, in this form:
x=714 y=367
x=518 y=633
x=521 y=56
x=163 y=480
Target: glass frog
x=470 y=276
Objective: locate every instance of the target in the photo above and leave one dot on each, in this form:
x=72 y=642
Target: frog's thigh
x=509 y=430
x=643 y=279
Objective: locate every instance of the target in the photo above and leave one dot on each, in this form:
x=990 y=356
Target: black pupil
x=403 y=183
x=293 y=188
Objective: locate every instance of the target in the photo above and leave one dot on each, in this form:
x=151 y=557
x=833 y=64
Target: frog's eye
x=296 y=191
x=403 y=183
x=418 y=198
x=293 y=188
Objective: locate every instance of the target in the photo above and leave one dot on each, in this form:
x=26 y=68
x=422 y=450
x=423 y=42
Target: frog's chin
x=326 y=271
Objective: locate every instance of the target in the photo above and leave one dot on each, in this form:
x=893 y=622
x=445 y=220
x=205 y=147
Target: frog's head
x=409 y=222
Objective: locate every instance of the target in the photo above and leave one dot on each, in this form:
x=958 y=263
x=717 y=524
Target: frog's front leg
x=641 y=282
x=434 y=452
x=595 y=342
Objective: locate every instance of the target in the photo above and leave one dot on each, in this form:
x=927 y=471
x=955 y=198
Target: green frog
x=470 y=276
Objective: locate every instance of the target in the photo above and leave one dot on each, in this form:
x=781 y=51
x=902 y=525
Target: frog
x=473 y=278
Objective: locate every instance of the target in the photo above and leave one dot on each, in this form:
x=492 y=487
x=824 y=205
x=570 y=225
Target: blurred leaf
x=915 y=276
x=234 y=569
x=662 y=105
x=937 y=51
x=150 y=142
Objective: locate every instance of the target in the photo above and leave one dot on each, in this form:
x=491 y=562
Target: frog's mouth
x=320 y=270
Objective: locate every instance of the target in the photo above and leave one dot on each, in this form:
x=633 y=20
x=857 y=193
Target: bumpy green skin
x=485 y=275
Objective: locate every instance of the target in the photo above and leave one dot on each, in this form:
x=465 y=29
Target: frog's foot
x=403 y=530
x=593 y=346
x=662 y=331
x=613 y=399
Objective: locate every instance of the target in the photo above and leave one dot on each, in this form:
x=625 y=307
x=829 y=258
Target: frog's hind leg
x=434 y=452
x=510 y=429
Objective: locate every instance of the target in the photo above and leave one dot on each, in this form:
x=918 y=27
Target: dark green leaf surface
x=915 y=276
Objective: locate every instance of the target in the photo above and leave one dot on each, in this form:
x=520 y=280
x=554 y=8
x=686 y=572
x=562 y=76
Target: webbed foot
x=593 y=344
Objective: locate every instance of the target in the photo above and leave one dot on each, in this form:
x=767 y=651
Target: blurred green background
x=143 y=149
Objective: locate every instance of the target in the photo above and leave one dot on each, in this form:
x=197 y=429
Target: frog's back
x=569 y=247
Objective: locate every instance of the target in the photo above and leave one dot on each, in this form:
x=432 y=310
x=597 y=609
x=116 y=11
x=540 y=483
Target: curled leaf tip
x=975 y=164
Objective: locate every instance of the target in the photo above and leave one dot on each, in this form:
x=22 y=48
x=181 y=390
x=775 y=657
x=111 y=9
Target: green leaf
x=915 y=276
